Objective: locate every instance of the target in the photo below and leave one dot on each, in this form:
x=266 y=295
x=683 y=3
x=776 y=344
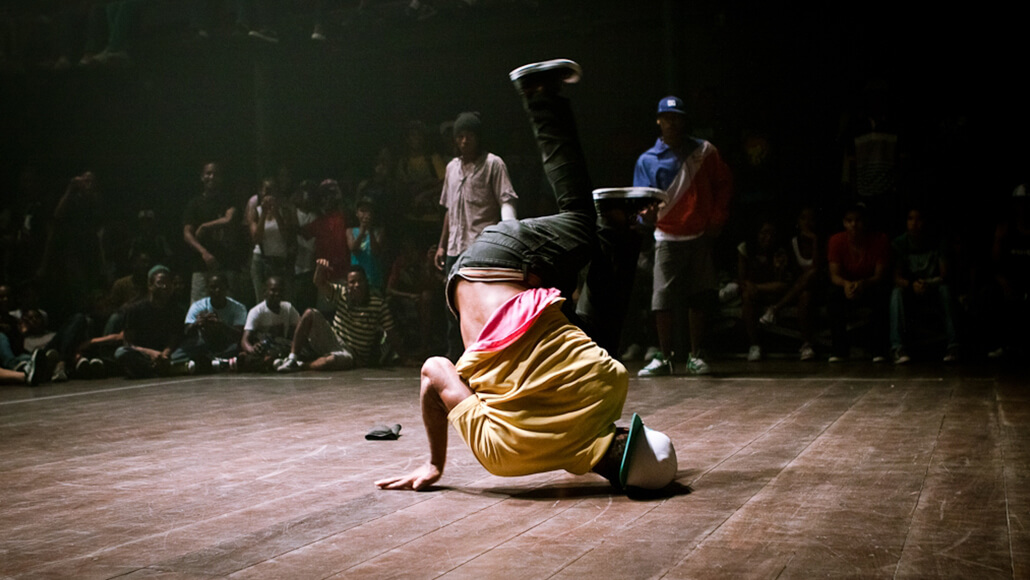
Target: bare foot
x=421 y=478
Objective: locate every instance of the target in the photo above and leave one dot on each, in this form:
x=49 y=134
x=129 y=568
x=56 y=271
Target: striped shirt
x=360 y=328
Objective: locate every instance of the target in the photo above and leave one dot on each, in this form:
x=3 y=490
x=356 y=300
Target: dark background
x=795 y=76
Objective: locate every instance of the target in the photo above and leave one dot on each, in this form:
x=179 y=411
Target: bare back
x=477 y=301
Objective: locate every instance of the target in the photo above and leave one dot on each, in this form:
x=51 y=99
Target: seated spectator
x=366 y=245
x=10 y=326
x=74 y=346
x=361 y=325
x=28 y=372
x=148 y=239
x=858 y=265
x=268 y=330
x=765 y=274
x=1008 y=295
x=806 y=257
x=153 y=329
x=920 y=278
x=214 y=326
x=126 y=290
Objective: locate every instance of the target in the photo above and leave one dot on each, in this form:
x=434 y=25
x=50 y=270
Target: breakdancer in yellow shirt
x=534 y=392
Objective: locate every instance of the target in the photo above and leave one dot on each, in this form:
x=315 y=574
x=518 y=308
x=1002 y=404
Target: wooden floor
x=786 y=471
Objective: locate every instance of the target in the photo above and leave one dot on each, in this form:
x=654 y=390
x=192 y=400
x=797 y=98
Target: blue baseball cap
x=671 y=104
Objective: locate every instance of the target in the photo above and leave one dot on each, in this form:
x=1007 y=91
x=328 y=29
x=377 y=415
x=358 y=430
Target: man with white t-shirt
x=269 y=328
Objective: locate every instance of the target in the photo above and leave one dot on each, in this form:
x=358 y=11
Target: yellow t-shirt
x=548 y=400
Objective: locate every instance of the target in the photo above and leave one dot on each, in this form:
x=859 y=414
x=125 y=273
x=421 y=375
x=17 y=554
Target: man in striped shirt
x=361 y=333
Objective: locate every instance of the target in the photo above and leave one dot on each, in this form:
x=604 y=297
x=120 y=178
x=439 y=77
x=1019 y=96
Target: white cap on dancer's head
x=649 y=461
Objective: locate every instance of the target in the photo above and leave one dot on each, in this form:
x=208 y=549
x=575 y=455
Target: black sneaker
x=548 y=74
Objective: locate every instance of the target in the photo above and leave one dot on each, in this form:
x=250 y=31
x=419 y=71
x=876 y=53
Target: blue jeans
x=8 y=359
x=900 y=318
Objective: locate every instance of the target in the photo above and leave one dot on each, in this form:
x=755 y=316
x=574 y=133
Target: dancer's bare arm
x=442 y=390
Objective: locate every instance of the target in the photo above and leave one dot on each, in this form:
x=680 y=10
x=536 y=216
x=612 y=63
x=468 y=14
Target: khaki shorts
x=683 y=271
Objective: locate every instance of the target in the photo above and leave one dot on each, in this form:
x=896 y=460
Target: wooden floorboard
x=786 y=471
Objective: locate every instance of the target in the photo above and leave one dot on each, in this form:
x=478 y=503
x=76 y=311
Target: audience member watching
x=268 y=330
x=153 y=329
x=700 y=186
x=273 y=230
x=1009 y=293
x=73 y=262
x=128 y=289
x=305 y=199
x=806 y=255
x=420 y=174
x=362 y=326
x=366 y=245
x=476 y=193
x=858 y=274
x=415 y=287
x=921 y=270
x=211 y=227
x=329 y=230
x=765 y=273
x=214 y=326
x=148 y=239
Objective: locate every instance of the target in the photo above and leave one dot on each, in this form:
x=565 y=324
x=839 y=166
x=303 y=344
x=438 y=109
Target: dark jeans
x=840 y=309
x=555 y=248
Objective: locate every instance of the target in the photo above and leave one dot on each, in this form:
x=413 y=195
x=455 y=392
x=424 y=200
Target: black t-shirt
x=225 y=243
x=154 y=327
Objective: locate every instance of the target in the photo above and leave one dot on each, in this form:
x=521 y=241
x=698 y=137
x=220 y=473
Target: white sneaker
x=696 y=366
x=652 y=352
x=290 y=365
x=769 y=318
x=658 y=367
x=754 y=354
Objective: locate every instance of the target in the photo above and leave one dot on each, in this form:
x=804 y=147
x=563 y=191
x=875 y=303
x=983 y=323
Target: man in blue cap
x=699 y=187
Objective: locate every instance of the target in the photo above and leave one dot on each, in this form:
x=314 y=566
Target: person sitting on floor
x=765 y=274
x=153 y=329
x=533 y=392
x=362 y=332
x=920 y=277
x=214 y=326
x=268 y=331
x=858 y=274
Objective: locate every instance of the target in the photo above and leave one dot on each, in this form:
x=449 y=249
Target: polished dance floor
x=786 y=471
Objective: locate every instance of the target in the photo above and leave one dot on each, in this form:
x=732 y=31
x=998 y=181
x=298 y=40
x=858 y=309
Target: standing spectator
x=153 y=329
x=268 y=330
x=73 y=260
x=329 y=230
x=699 y=185
x=211 y=228
x=476 y=193
x=305 y=199
x=273 y=230
x=420 y=173
x=858 y=275
x=362 y=325
x=366 y=245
